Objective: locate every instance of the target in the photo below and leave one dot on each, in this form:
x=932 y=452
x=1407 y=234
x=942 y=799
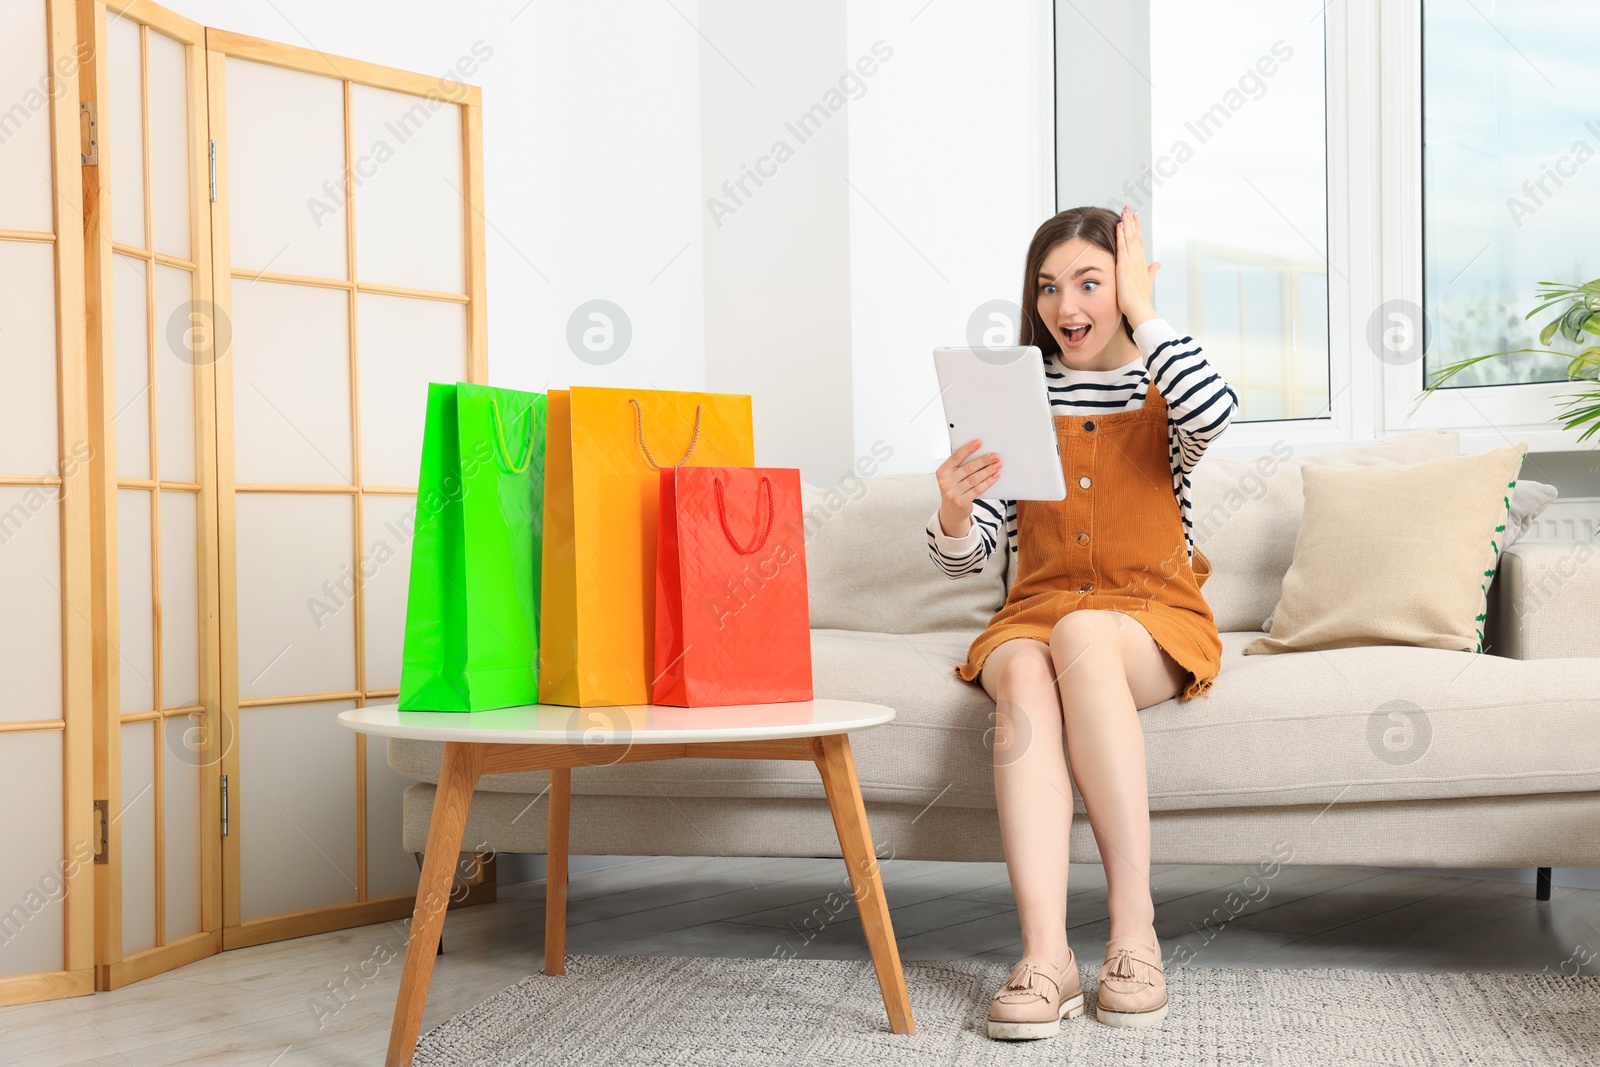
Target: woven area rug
x=724 y=1012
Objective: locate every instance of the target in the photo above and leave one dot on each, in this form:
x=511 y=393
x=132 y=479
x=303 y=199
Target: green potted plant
x=1578 y=315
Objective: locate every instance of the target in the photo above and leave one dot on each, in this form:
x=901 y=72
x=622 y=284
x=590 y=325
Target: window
x=1217 y=117
x=1510 y=182
x=1323 y=250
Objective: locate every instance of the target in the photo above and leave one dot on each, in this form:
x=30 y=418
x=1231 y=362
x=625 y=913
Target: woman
x=1104 y=616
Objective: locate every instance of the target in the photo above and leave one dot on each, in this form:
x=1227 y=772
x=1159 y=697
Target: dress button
x=1083 y=539
x=1085 y=587
x=1084 y=482
x=1089 y=425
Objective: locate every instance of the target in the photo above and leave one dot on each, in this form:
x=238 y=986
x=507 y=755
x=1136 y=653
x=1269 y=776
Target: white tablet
x=998 y=395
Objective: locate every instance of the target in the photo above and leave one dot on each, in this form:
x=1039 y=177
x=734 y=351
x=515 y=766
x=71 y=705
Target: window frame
x=1486 y=416
x=1373 y=57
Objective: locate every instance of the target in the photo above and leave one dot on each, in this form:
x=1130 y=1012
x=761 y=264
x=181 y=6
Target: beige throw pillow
x=1246 y=514
x=1396 y=555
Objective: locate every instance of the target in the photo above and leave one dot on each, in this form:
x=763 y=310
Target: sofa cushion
x=1399 y=555
x=1348 y=726
x=868 y=566
x=1246 y=516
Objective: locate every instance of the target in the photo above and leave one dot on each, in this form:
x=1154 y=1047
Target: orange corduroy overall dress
x=1116 y=542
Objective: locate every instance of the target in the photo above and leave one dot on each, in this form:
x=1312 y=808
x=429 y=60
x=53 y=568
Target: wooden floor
x=327 y=999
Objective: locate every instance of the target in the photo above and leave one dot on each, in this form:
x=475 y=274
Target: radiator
x=1568 y=520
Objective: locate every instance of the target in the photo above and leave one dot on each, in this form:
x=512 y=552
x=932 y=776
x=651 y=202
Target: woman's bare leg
x=1031 y=789
x=1107 y=668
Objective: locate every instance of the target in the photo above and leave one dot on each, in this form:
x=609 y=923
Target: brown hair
x=1096 y=225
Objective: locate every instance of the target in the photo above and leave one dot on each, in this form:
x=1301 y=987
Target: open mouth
x=1075 y=334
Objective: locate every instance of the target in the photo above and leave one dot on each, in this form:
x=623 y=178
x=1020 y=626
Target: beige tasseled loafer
x=1132 y=987
x=1035 y=998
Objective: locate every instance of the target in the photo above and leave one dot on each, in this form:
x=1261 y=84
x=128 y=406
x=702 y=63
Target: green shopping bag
x=472 y=611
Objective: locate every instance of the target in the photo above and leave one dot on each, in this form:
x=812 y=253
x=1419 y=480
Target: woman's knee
x=1109 y=644
x=1027 y=704
x=1084 y=637
x=1017 y=668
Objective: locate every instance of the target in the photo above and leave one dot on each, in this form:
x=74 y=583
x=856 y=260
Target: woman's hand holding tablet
x=996 y=397
x=961 y=481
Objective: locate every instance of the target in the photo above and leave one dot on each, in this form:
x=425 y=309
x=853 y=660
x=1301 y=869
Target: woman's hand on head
x=961 y=481
x=1136 y=279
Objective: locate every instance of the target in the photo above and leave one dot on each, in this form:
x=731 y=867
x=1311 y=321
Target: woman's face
x=1077 y=288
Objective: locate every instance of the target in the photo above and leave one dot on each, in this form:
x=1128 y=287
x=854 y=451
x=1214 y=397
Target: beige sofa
x=1384 y=756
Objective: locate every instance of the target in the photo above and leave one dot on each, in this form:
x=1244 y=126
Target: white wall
x=874 y=237
x=775 y=223
x=951 y=171
x=609 y=125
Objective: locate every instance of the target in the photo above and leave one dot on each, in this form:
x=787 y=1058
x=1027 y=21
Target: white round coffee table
x=559 y=738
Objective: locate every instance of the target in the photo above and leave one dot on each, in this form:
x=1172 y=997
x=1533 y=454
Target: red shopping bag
x=733 y=620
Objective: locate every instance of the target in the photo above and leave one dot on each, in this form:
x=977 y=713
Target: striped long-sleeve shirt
x=1200 y=404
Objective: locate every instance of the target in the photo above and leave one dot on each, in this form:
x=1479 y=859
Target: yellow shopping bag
x=603 y=451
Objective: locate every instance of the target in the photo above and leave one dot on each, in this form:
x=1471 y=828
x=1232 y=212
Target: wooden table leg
x=832 y=754
x=458 y=776
x=555 y=882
